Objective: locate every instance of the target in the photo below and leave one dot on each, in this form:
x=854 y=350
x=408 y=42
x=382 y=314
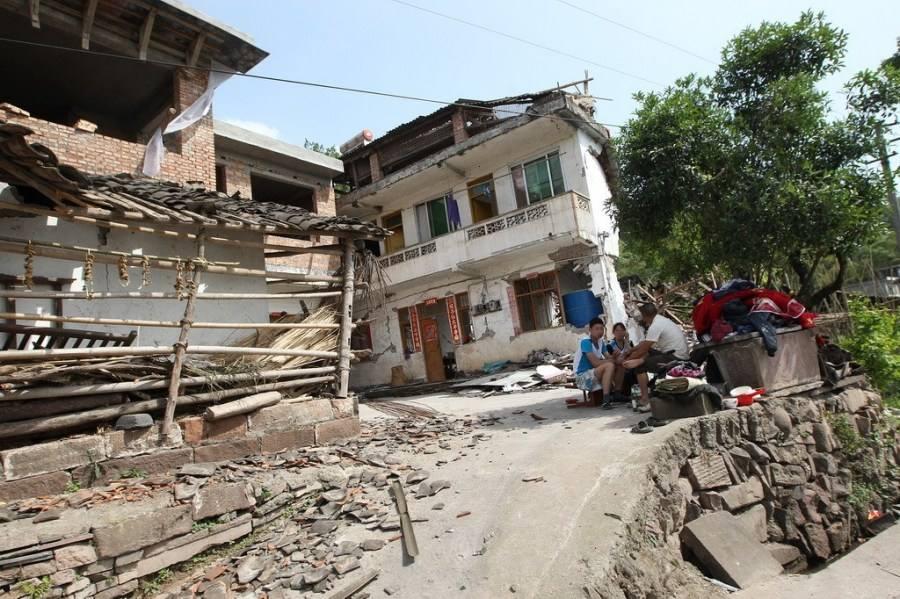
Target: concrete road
x=871 y=571
x=522 y=539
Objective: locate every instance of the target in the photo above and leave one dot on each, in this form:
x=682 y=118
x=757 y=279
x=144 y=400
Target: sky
x=387 y=46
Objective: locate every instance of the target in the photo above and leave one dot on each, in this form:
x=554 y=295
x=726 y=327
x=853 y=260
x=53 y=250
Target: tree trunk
x=836 y=285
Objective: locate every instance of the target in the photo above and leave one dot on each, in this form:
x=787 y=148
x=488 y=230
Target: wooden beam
x=131 y=322
x=193 y=55
x=159 y=295
x=34 y=12
x=146 y=33
x=87 y=23
x=344 y=352
x=181 y=344
x=330 y=249
x=19 y=355
x=80 y=419
x=60 y=252
x=130 y=386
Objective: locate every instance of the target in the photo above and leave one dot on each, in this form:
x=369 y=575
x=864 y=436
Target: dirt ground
x=542 y=538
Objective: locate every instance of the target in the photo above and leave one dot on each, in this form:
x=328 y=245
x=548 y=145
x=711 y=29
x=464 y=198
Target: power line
x=522 y=40
x=356 y=90
x=637 y=31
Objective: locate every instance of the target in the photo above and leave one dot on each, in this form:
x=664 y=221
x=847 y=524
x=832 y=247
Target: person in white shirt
x=664 y=342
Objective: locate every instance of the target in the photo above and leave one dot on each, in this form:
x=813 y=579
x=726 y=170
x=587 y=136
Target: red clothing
x=708 y=309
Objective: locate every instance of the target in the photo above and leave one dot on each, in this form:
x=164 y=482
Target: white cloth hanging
x=155 y=151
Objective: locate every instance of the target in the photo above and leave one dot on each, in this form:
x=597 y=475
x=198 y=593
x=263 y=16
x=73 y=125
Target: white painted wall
x=106 y=279
x=597 y=189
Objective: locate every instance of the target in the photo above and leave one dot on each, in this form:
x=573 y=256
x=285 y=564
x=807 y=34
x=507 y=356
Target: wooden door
x=482 y=198
x=431 y=346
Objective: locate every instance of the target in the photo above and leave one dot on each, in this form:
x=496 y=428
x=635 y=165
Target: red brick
x=284 y=440
x=192 y=429
x=233 y=427
x=35 y=486
x=345 y=428
x=227 y=450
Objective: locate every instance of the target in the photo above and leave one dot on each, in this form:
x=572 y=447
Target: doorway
x=482 y=198
x=431 y=347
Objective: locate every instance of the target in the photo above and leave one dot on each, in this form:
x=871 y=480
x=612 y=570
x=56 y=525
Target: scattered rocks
x=373 y=544
x=417 y=477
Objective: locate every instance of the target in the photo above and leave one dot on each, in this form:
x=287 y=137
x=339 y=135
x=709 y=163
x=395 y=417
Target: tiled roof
x=142 y=198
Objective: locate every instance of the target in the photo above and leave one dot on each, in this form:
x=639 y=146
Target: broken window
x=394 y=224
x=537 y=180
x=483 y=199
x=437 y=217
x=361 y=337
x=221 y=178
x=538 y=300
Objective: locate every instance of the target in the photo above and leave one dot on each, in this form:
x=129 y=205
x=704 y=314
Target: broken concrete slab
x=742 y=495
x=708 y=471
x=727 y=551
x=755 y=521
x=784 y=553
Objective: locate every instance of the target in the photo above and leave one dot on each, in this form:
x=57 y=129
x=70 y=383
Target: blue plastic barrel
x=581 y=307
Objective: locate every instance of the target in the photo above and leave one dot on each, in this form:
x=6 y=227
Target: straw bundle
x=315 y=339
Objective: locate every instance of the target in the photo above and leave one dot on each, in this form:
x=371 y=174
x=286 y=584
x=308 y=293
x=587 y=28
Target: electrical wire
x=637 y=31
x=356 y=90
x=528 y=42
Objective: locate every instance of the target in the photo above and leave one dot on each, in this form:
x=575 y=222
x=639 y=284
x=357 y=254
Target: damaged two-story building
x=498 y=213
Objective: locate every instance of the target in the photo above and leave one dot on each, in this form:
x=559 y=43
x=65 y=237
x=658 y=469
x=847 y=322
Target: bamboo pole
x=181 y=344
x=346 y=320
x=333 y=250
x=107 y=352
x=24 y=428
x=154 y=295
x=165 y=323
x=80 y=251
x=131 y=386
x=61 y=252
x=244 y=405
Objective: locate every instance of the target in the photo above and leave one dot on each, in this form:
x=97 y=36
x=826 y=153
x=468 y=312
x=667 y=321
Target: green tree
x=322 y=149
x=744 y=170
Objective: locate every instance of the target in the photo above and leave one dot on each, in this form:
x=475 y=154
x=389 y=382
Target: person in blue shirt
x=592 y=365
x=624 y=378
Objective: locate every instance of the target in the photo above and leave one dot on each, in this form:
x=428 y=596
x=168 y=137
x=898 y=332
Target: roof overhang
x=162 y=30
x=237 y=140
x=564 y=107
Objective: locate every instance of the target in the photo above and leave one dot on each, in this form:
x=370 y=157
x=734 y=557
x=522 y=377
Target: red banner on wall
x=453 y=317
x=414 y=325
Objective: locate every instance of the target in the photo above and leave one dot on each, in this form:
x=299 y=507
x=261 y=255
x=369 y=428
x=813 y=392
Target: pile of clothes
x=739 y=306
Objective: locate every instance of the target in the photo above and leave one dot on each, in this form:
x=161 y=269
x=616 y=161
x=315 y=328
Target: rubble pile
x=284 y=516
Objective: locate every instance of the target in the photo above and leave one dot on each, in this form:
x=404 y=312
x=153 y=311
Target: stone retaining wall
x=799 y=474
x=78 y=462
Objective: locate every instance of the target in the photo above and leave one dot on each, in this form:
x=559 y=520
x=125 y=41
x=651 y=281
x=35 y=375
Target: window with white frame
x=437 y=217
x=538 y=179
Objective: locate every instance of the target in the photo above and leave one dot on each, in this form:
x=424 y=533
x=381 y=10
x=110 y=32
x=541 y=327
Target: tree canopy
x=746 y=170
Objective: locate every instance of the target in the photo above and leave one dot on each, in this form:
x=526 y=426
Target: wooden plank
x=130 y=322
x=196 y=48
x=87 y=24
x=146 y=33
x=108 y=352
x=245 y=405
x=159 y=295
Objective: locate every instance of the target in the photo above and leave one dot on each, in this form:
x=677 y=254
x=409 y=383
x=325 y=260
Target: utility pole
x=884 y=159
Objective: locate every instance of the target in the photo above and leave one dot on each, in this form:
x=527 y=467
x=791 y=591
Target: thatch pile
x=314 y=339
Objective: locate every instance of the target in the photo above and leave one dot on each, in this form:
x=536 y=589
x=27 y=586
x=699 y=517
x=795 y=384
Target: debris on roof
x=35 y=166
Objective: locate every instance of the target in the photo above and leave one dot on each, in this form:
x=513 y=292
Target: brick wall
x=238 y=170
x=190 y=154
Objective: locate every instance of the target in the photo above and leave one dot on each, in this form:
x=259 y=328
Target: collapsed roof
x=34 y=168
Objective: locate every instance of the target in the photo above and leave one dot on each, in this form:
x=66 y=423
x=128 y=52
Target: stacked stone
x=96 y=543
x=781 y=470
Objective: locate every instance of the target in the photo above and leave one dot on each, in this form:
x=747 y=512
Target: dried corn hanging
x=179 y=278
x=88 y=275
x=145 y=272
x=123 y=271
x=29 y=266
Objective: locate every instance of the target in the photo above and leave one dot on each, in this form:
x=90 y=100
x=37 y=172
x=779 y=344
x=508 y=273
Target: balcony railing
x=574 y=208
